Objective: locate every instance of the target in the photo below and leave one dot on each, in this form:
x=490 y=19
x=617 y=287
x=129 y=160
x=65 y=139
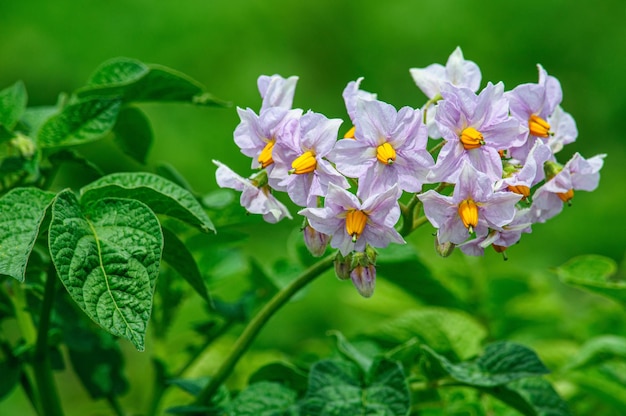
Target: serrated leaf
x=340 y=388
x=12 y=104
x=135 y=81
x=175 y=254
x=161 y=195
x=133 y=133
x=401 y=265
x=22 y=211
x=107 y=255
x=595 y=274
x=454 y=334
x=79 y=123
x=265 y=398
x=501 y=363
x=532 y=396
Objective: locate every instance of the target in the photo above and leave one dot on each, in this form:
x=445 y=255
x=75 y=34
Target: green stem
x=44 y=378
x=256 y=324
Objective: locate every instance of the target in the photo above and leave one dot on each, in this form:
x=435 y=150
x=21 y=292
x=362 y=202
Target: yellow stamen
x=355 y=223
x=468 y=211
x=386 y=154
x=566 y=196
x=265 y=158
x=305 y=163
x=471 y=138
x=350 y=133
x=520 y=189
x=538 y=126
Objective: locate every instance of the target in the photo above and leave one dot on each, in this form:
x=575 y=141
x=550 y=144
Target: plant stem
x=256 y=324
x=48 y=395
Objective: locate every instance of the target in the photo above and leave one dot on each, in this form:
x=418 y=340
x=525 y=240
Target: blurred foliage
x=226 y=45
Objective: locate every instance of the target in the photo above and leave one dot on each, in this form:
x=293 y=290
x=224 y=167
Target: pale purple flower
x=352 y=224
x=457 y=71
x=256 y=135
x=500 y=237
x=389 y=148
x=520 y=177
x=352 y=93
x=578 y=174
x=562 y=129
x=533 y=105
x=255 y=198
x=300 y=167
x=277 y=91
x=473 y=207
x=475 y=128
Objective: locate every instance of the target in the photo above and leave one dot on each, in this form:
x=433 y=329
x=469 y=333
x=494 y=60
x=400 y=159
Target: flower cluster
x=491 y=172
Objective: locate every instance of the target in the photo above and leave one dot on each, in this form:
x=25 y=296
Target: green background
x=54 y=47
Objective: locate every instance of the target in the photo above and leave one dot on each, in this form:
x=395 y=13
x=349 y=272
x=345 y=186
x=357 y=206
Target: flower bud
x=24 y=145
x=551 y=169
x=364 y=279
x=315 y=241
x=343 y=265
x=444 y=249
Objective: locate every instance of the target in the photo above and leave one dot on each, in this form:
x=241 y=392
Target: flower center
x=520 y=189
x=265 y=158
x=305 y=163
x=566 y=196
x=350 y=133
x=538 y=126
x=386 y=154
x=355 y=223
x=468 y=211
x=471 y=138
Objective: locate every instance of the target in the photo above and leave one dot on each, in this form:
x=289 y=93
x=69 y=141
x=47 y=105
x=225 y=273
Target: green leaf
x=532 y=396
x=107 y=256
x=135 y=81
x=35 y=117
x=281 y=372
x=161 y=195
x=81 y=122
x=175 y=254
x=598 y=350
x=22 y=211
x=501 y=363
x=265 y=398
x=595 y=274
x=340 y=388
x=350 y=352
x=401 y=265
x=133 y=133
x=454 y=334
x=12 y=104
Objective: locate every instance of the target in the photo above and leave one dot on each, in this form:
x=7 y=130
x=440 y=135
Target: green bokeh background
x=54 y=47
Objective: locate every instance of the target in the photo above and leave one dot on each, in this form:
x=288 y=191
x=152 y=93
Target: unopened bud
x=364 y=279
x=24 y=145
x=343 y=265
x=315 y=241
x=551 y=169
x=444 y=249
